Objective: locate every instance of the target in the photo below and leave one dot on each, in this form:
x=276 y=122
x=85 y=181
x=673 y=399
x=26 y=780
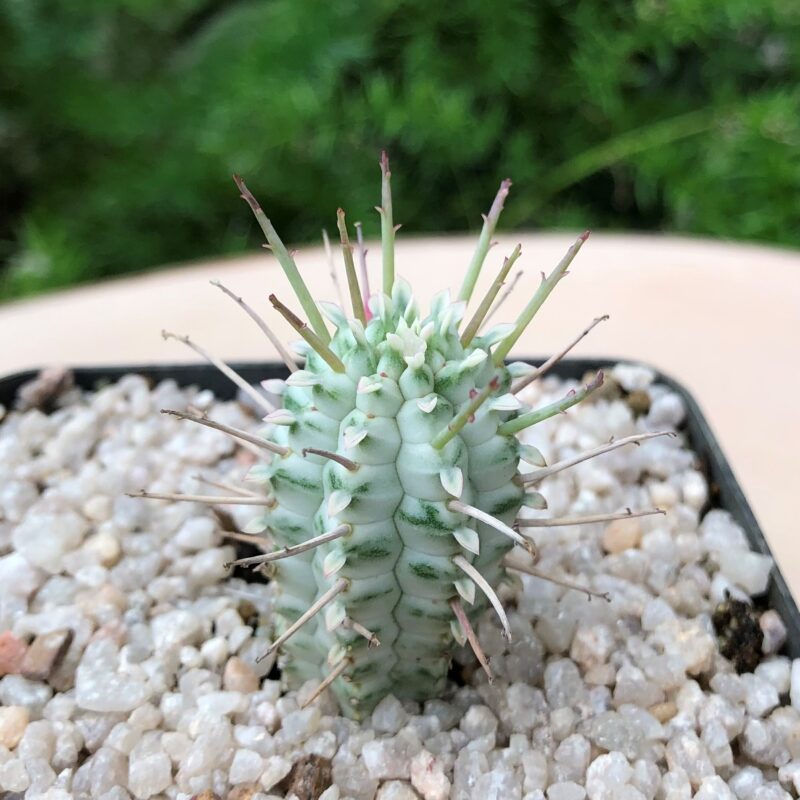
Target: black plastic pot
x=725 y=491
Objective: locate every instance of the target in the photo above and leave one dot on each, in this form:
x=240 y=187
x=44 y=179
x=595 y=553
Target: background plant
x=121 y=121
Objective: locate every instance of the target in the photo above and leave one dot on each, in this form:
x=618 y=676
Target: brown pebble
x=13 y=721
x=621 y=535
x=243 y=792
x=206 y=795
x=12 y=653
x=45 y=654
x=248 y=612
x=244 y=458
x=44 y=389
x=239 y=676
x=600 y=675
x=93 y=602
x=309 y=778
x=638 y=401
x=664 y=712
x=116 y=630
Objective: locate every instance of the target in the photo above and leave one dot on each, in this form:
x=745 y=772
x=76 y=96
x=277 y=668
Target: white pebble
x=396 y=790
x=761 y=695
x=794 y=691
x=687 y=752
x=745 y=782
x=666 y=411
x=246 y=767
x=566 y=790
x=215 y=651
x=100 y=686
x=149 y=775
x=219 y=704
x=633 y=377
x=45 y=538
x=196 y=533
x=714 y=788
x=774 y=631
x=606 y=775
x=276 y=768
x=14 y=776
x=749 y=570
x=663 y=494
x=389 y=758
x=694 y=490
x=428 y=777
x=478 y=721
x=176 y=628
x=389 y=715
x=776 y=671
x=162 y=709
x=790 y=774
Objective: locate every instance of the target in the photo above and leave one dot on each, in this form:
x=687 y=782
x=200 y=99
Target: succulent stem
x=503 y=297
x=553 y=360
x=285 y=355
x=229 y=373
x=484 y=242
x=387 y=225
x=362 y=263
x=326 y=243
x=288 y=552
x=483 y=309
x=557 y=522
x=211 y=499
x=492 y=522
x=350 y=269
x=345 y=462
x=463 y=620
x=537 y=573
x=542 y=293
x=312 y=611
x=321 y=347
x=490 y=593
x=461 y=419
x=286 y=261
x=560 y=406
x=540 y=474
x=329 y=679
x=235 y=432
x=362 y=631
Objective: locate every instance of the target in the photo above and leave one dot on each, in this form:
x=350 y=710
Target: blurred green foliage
x=122 y=120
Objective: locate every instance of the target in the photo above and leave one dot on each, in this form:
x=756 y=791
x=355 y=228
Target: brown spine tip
x=385 y=163
x=584 y=236
x=597 y=381
x=246 y=194
x=288 y=314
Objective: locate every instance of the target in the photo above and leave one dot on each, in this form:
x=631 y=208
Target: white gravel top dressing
x=128 y=655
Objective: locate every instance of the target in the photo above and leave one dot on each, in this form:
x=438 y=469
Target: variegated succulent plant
x=392 y=485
